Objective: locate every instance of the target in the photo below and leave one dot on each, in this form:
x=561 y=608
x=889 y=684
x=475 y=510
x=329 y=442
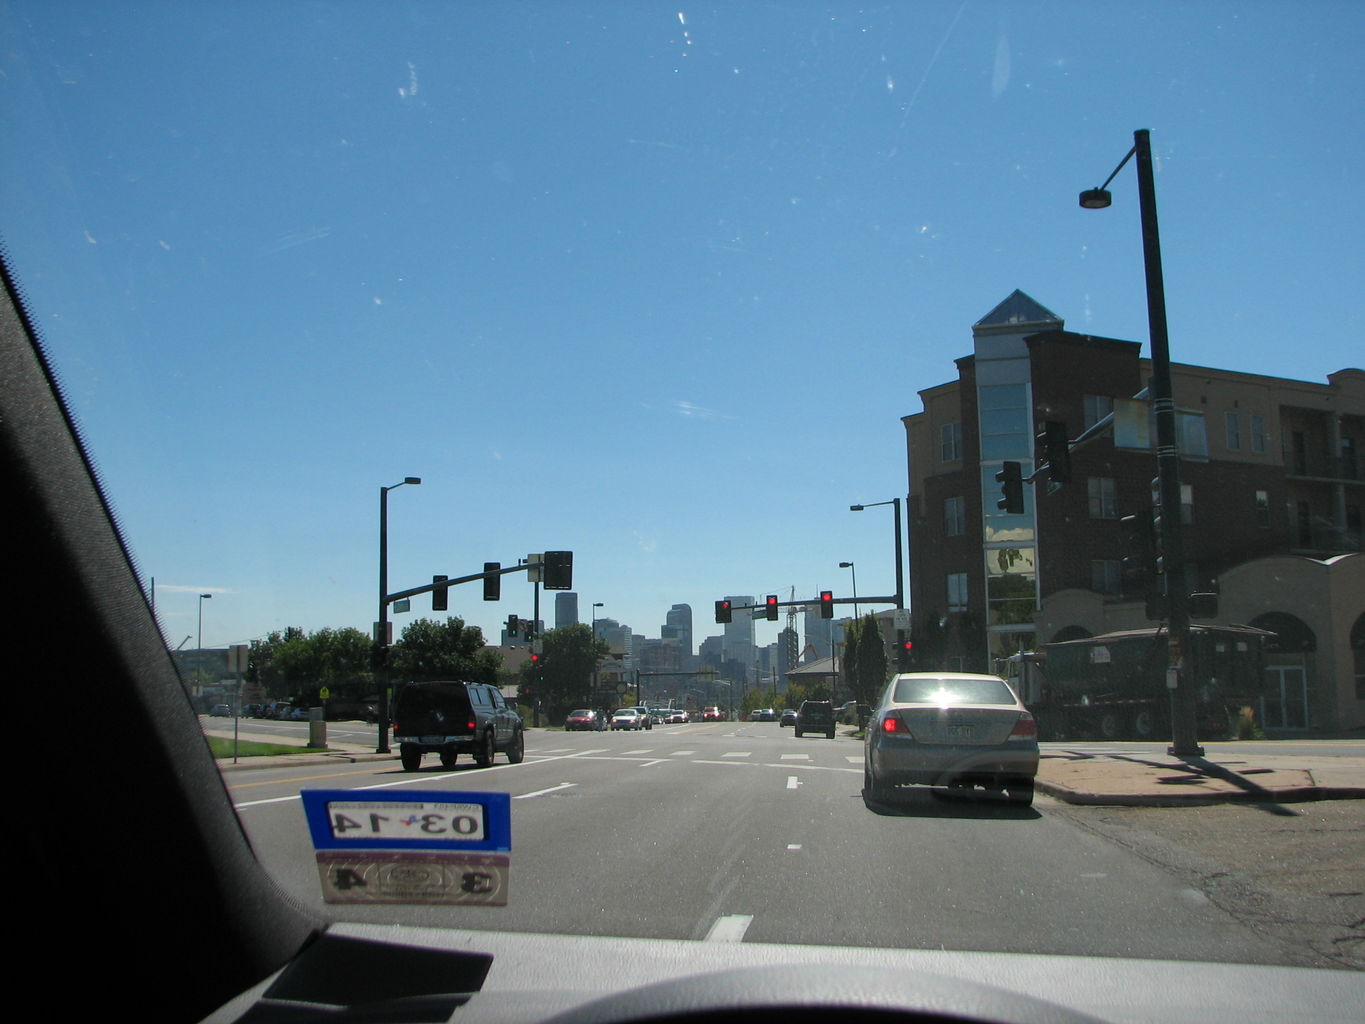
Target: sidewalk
x=1160 y=780
x=336 y=753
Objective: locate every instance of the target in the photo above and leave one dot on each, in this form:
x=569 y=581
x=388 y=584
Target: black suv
x=447 y=718
x=815 y=716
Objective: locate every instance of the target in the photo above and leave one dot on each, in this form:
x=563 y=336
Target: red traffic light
x=723 y=611
x=826 y=604
x=772 y=607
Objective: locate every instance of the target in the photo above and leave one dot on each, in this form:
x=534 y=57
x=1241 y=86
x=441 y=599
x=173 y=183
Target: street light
x=382 y=626
x=1184 y=737
x=850 y=567
x=202 y=599
x=895 y=503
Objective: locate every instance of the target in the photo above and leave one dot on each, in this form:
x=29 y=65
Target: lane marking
x=628 y=753
x=542 y=792
x=793 y=782
x=793 y=846
x=657 y=760
x=730 y=928
x=854 y=760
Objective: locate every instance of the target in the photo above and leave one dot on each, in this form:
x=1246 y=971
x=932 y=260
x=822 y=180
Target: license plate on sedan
x=960 y=732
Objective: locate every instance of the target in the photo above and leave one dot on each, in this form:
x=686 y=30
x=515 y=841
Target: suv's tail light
x=473 y=725
x=1024 y=729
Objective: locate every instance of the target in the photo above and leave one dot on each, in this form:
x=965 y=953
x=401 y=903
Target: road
x=740 y=831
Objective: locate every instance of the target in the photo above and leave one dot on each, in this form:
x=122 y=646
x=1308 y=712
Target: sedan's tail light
x=892 y=723
x=1024 y=729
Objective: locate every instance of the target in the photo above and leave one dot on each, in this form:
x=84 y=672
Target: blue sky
x=653 y=283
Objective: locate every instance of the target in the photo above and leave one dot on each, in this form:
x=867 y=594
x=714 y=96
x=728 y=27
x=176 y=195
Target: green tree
x=848 y=664
x=563 y=675
x=870 y=660
x=336 y=658
x=262 y=669
x=443 y=650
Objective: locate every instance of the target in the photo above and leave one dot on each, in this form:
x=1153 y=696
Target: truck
x=1117 y=685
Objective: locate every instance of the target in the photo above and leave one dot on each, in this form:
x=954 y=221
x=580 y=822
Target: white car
x=950 y=729
x=628 y=718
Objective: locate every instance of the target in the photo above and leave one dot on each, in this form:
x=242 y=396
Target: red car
x=712 y=715
x=584 y=718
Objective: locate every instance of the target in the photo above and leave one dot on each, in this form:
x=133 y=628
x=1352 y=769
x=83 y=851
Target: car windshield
x=732 y=357
x=952 y=691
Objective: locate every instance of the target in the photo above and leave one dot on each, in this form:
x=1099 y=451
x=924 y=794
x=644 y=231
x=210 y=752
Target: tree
x=871 y=672
x=568 y=657
x=336 y=658
x=849 y=664
x=262 y=669
x=443 y=650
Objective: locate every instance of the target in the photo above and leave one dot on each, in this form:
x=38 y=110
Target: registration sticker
x=430 y=847
x=342 y=819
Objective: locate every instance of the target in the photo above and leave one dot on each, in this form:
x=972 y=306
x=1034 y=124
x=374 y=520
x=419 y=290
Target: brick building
x=1272 y=491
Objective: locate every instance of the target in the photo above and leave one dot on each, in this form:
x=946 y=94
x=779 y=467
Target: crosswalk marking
x=738 y=753
x=682 y=753
x=795 y=757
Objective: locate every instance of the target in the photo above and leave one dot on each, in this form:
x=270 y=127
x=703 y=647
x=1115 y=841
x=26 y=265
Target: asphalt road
x=742 y=832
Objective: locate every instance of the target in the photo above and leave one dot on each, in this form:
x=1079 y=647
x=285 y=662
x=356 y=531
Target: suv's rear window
x=952 y=691
x=419 y=700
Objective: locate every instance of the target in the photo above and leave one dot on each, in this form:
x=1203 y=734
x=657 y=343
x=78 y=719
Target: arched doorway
x=1290 y=677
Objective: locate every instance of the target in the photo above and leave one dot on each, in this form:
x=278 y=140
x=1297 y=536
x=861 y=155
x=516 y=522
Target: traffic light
x=513 y=627
x=492 y=583
x=440 y=597
x=772 y=607
x=558 y=569
x=1011 y=481
x=1056 y=452
x=723 y=611
x=826 y=604
x=1141 y=562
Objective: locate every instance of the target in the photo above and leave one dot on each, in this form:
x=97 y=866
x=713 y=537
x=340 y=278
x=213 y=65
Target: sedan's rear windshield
x=952 y=691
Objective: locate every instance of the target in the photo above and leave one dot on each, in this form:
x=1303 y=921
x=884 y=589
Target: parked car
x=950 y=729
x=629 y=718
x=788 y=717
x=815 y=716
x=448 y=718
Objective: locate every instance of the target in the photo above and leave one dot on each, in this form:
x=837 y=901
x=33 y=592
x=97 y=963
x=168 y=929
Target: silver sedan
x=950 y=729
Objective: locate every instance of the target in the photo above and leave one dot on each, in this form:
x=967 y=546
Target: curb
x=1297 y=794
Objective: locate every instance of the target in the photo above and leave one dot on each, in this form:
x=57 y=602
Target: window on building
x=1263 y=509
x=1303 y=521
x=1106 y=576
x=1104 y=497
x=1096 y=408
x=954 y=516
x=950 y=442
x=1232 y=421
x=1192 y=437
x=1187 y=503
x=957 y=591
x=1348 y=458
x=1353 y=537
x=1257 y=433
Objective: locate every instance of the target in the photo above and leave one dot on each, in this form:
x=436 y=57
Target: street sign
x=901 y=618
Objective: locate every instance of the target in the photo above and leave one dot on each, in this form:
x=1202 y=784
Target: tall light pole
x=902 y=660
x=1184 y=733
x=851 y=568
x=381 y=628
x=202 y=599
